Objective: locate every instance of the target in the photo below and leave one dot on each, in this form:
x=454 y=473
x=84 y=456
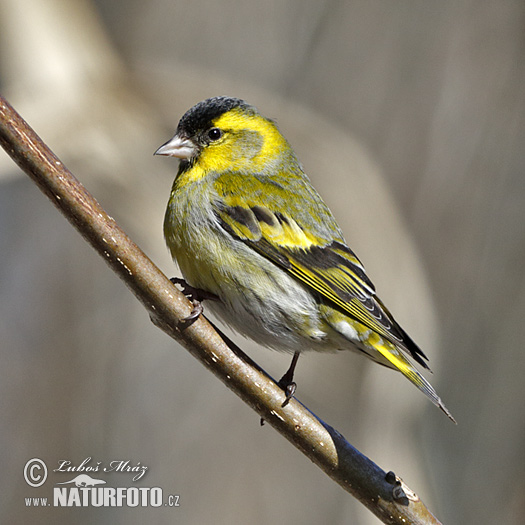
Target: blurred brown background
x=409 y=119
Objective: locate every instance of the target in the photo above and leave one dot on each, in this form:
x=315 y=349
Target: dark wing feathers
x=328 y=267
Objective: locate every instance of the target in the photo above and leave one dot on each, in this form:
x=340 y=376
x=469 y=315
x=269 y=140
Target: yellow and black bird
x=247 y=228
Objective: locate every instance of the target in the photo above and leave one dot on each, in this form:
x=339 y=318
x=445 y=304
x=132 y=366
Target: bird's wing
x=315 y=256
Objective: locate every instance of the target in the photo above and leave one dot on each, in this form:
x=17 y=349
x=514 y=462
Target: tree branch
x=384 y=494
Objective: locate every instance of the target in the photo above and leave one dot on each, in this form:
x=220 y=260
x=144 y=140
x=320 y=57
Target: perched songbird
x=248 y=229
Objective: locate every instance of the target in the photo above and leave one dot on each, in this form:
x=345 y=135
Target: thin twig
x=384 y=494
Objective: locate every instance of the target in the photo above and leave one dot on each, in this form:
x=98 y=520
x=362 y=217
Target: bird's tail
x=401 y=363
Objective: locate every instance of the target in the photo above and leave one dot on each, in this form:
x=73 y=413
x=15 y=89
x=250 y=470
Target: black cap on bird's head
x=202 y=115
x=198 y=119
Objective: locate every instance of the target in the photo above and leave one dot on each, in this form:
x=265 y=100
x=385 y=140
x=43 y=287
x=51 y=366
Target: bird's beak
x=178 y=147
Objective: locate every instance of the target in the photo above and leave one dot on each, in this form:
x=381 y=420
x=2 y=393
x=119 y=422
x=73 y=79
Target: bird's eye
x=214 y=134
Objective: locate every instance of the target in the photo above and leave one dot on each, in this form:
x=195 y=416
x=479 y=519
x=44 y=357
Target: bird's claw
x=287 y=383
x=289 y=390
x=195 y=312
x=196 y=295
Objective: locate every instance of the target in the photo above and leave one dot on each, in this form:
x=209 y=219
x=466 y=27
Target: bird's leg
x=287 y=383
x=196 y=296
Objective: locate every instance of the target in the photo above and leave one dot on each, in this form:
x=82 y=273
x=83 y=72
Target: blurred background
x=409 y=118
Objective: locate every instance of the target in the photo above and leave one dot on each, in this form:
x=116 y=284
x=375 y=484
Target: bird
x=249 y=231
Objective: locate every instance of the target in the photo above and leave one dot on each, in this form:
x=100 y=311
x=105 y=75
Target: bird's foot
x=289 y=388
x=287 y=383
x=196 y=296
